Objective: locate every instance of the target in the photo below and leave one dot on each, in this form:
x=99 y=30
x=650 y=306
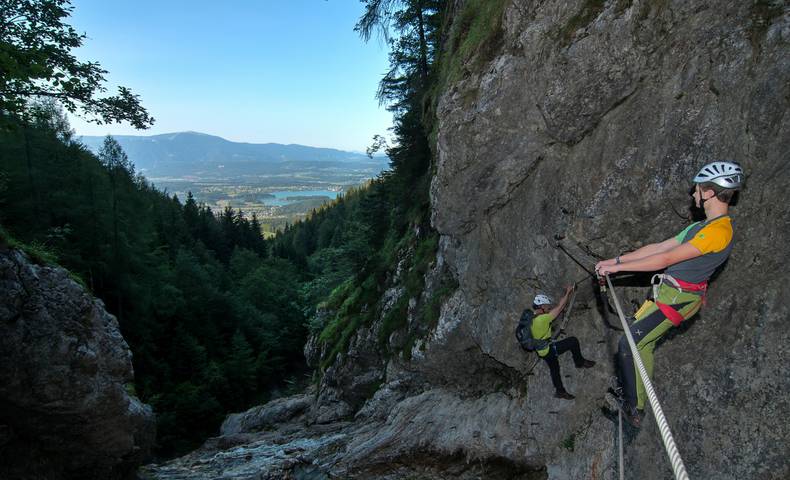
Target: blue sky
x=287 y=71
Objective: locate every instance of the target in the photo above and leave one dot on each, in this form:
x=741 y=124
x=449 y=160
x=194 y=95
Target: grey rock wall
x=592 y=136
x=64 y=369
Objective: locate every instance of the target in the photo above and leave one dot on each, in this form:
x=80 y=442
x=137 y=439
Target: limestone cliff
x=586 y=126
x=65 y=412
x=581 y=122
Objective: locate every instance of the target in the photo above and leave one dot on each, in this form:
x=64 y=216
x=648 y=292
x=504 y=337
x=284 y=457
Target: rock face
x=583 y=128
x=64 y=368
x=587 y=126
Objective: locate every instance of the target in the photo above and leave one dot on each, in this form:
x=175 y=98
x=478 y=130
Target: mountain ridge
x=190 y=153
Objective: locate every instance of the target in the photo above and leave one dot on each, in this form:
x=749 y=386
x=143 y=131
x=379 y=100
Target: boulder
x=65 y=379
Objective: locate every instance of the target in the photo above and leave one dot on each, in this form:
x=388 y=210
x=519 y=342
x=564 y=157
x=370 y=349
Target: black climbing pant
x=555 y=350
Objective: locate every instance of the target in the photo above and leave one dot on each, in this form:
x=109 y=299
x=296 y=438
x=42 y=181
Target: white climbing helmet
x=541 y=299
x=724 y=174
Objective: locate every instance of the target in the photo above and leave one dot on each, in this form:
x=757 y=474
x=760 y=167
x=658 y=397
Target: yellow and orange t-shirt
x=714 y=239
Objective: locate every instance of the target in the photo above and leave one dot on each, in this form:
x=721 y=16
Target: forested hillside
x=215 y=316
x=212 y=322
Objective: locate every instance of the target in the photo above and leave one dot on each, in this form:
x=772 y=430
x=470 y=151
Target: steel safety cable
x=620 y=442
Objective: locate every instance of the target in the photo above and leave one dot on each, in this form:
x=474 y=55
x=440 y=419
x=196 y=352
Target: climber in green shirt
x=545 y=313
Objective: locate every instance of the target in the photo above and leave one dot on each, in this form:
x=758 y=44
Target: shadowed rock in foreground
x=65 y=412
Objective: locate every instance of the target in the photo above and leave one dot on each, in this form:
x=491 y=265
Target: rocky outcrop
x=266 y=416
x=359 y=371
x=586 y=127
x=583 y=129
x=65 y=369
x=368 y=447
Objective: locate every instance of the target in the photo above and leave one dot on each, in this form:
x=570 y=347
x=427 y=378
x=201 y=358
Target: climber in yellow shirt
x=690 y=258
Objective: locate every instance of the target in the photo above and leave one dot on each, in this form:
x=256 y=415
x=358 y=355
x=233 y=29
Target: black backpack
x=524 y=333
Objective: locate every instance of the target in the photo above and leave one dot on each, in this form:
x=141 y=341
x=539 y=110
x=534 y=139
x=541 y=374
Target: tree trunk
x=31 y=180
x=423 y=44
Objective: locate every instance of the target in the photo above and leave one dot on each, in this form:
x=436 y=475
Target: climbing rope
x=601 y=284
x=620 y=431
x=658 y=413
x=575 y=260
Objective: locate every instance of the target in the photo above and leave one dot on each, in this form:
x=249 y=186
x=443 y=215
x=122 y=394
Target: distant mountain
x=199 y=154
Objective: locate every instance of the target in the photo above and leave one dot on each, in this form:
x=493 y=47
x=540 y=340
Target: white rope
x=658 y=413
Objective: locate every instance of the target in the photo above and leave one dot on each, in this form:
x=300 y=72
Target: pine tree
x=192 y=216
x=404 y=88
x=240 y=369
x=116 y=162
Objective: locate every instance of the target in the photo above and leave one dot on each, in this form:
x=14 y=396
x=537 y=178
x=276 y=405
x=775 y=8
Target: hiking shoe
x=634 y=416
x=587 y=364
x=563 y=395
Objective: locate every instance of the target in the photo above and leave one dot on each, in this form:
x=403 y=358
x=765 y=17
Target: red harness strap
x=673 y=315
x=692 y=287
